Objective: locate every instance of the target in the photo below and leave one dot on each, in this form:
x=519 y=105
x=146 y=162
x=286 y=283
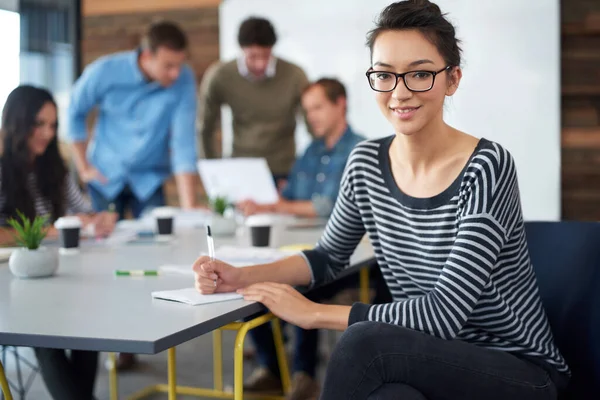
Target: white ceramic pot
x=222 y=226
x=39 y=263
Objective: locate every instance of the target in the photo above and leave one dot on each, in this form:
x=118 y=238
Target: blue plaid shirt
x=316 y=176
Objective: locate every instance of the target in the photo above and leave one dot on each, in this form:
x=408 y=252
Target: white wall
x=509 y=92
x=9 y=5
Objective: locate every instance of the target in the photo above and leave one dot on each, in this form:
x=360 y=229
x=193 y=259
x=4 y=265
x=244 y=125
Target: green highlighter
x=138 y=272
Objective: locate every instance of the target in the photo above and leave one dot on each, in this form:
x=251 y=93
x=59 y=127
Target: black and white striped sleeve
x=489 y=208
x=343 y=232
x=74 y=200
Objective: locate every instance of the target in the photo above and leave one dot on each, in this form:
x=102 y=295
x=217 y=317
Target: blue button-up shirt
x=317 y=175
x=144 y=132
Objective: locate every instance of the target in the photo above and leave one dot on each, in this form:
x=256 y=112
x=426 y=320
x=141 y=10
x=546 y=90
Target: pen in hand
x=211 y=247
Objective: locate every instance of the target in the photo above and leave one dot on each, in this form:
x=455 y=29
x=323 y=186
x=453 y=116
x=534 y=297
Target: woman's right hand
x=214 y=276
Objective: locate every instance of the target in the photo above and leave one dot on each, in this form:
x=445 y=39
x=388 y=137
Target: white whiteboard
x=509 y=92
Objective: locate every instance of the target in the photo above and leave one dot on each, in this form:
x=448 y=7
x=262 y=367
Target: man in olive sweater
x=263 y=93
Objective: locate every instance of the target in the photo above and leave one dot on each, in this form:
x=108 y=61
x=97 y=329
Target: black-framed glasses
x=415 y=81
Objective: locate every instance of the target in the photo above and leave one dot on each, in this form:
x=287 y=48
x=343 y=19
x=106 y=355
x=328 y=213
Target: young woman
x=442 y=211
x=35 y=181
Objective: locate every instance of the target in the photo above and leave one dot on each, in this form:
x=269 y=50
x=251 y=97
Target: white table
x=85 y=307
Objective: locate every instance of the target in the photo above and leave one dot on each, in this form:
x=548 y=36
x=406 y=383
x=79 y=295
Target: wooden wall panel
x=105 y=34
x=112 y=7
x=580 y=57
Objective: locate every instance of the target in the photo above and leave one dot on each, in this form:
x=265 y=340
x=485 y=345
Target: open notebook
x=192 y=297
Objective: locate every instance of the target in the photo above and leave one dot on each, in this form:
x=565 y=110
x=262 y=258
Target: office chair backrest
x=566 y=261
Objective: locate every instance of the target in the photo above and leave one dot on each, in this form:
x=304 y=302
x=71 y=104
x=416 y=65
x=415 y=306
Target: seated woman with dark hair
x=35 y=181
x=442 y=211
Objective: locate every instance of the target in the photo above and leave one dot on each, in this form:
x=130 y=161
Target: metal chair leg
x=364 y=286
x=112 y=377
x=218 y=359
x=4 y=384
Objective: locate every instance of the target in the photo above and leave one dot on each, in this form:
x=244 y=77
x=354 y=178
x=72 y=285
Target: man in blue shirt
x=145 y=128
x=311 y=191
x=314 y=181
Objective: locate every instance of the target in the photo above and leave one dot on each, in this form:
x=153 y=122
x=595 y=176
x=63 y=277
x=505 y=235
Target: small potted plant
x=222 y=222
x=31 y=260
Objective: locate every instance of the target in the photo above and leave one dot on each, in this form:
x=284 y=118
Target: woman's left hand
x=284 y=301
x=104 y=223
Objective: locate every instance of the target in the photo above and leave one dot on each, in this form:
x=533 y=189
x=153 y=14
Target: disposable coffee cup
x=260 y=230
x=164 y=221
x=69 y=229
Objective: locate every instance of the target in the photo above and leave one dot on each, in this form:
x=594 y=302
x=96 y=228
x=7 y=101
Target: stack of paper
x=192 y=297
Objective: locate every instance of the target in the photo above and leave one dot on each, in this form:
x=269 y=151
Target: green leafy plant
x=219 y=204
x=29 y=234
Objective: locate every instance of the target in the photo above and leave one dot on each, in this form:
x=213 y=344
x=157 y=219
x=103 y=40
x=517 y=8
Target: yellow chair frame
x=218 y=391
x=4 y=384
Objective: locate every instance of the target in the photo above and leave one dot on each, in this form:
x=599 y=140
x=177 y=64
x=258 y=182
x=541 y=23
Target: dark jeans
x=374 y=360
x=126 y=200
x=68 y=377
x=306 y=348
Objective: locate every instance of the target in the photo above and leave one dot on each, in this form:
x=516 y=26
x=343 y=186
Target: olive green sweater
x=264 y=112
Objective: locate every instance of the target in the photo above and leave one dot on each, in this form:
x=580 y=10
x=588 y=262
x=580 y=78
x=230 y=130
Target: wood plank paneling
x=106 y=34
x=580 y=71
x=115 y=7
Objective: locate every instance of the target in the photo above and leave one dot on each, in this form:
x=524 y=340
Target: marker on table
x=211 y=247
x=138 y=272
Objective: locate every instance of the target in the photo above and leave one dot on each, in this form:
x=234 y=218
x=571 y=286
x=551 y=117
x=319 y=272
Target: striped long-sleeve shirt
x=456 y=264
x=75 y=203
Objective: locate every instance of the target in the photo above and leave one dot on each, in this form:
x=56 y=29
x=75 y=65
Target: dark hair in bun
x=427 y=18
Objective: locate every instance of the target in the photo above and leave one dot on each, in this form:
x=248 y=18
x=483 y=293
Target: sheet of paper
x=136 y=225
x=192 y=297
x=238 y=255
x=186 y=269
x=191 y=218
x=235 y=256
x=120 y=237
x=238 y=179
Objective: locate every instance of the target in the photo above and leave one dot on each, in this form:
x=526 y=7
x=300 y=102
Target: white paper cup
x=165 y=217
x=260 y=227
x=69 y=229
